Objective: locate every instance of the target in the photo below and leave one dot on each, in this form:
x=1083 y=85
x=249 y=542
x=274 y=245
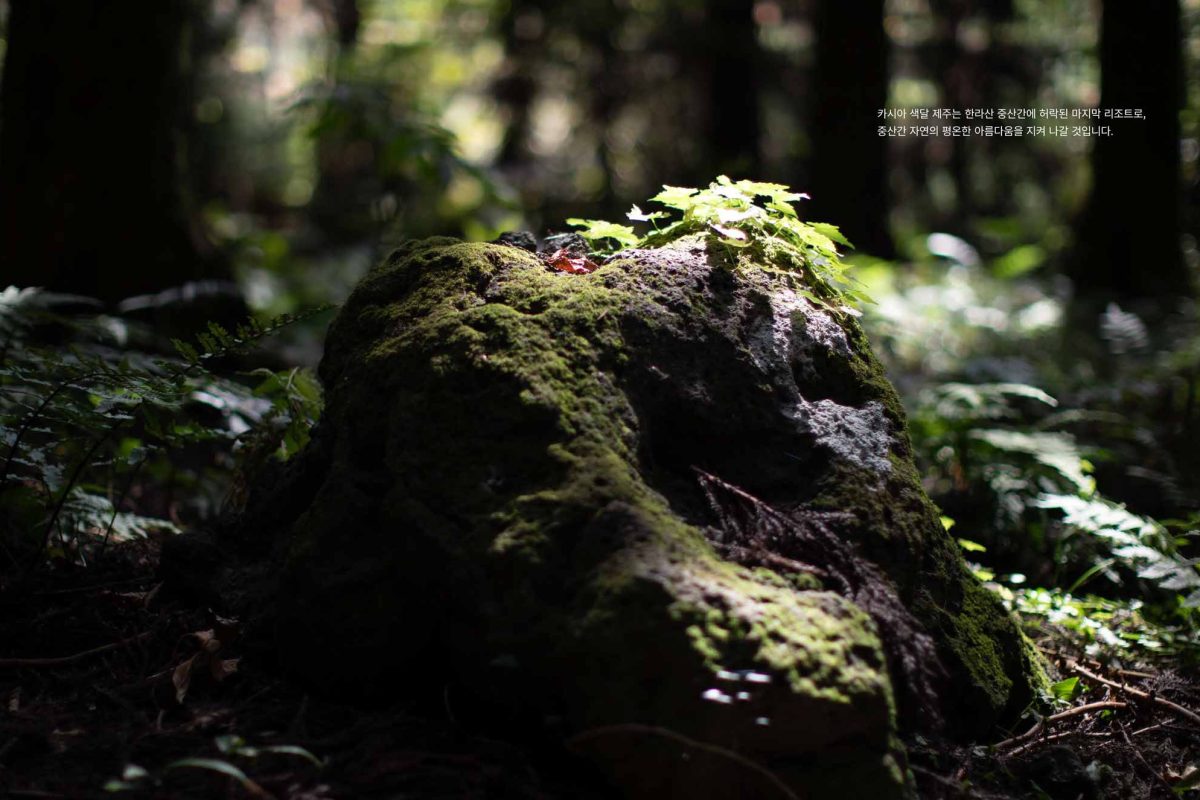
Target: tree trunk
x=93 y=190
x=1128 y=239
x=733 y=97
x=849 y=162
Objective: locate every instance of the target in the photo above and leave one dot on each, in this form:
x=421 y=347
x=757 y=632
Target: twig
x=1070 y=712
x=1130 y=673
x=952 y=783
x=1142 y=759
x=1138 y=693
x=1027 y=746
x=1161 y=726
x=20 y=663
x=94 y=586
x=667 y=733
x=1055 y=737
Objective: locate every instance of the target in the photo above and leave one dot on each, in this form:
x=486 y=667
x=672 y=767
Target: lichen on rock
x=507 y=490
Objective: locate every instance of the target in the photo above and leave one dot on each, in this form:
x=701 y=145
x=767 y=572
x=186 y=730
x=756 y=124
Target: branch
x=670 y=735
x=1138 y=693
x=1070 y=712
x=19 y=663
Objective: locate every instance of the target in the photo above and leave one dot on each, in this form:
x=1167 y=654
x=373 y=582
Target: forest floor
x=110 y=689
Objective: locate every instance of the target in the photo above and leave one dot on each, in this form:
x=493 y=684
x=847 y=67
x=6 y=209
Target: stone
x=666 y=511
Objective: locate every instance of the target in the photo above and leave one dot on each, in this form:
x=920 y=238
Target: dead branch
x=60 y=661
x=1138 y=693
x=1070 y=712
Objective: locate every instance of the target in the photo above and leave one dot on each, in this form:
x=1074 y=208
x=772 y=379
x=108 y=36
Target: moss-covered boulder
x=667 y=509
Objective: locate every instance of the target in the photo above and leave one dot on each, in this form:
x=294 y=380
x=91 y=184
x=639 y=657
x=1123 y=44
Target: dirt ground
x=110 y=688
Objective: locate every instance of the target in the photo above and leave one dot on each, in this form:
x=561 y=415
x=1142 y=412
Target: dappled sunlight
x=641 y=398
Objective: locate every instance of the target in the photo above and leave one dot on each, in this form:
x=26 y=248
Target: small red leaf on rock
x=563 y=261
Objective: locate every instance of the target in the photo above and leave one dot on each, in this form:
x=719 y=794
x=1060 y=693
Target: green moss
x=510 y=482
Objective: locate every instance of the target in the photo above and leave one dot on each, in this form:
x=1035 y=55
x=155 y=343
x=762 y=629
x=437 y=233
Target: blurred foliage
x=1060 y=471
x=105 y=438
x=319 y=140
x=1102 y=626
x=230 y=748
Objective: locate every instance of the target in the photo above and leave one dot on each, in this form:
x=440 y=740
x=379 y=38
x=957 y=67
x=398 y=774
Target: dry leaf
x=210 y=642
x=563 y=261
x=181 y=678
x=222 y=668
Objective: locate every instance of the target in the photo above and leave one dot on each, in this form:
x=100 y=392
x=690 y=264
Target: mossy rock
x=505 y=488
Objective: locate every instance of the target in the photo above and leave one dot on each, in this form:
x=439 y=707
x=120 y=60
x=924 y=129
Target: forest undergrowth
x=1070 y=484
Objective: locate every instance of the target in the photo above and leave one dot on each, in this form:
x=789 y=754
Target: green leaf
x=115 y=785
x=777 y=192
x=1056 y=451
x=294 y=750
x=1018 y=261
x=229 y=743
x=222 y=768
x=738 y=236
x=637 y=215
x=675 y=197
x=831 y=232
x=1066 y=690
x=131 y=778
x=595 y=230
x=185 y=350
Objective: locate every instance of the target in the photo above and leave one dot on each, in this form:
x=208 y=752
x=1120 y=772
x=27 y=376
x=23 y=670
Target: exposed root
x=753 y=533
x=1150 y=697
x=1101 y=724
x=61 y=661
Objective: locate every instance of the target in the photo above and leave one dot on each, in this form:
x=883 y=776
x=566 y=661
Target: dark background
x=276 y=141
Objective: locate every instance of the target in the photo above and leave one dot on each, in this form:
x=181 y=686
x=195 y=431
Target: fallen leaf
x=210 y=643
x=181 y=678
x=563 y=261
x=1188 y=779
x=222 y=668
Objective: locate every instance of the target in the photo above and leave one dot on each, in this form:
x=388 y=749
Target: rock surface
x=666 y=509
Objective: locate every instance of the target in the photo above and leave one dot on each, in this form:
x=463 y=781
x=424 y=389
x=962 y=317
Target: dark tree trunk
x=523 y=27
x=607 y=88
x=347 y=156
x=733 y=80
x=93 y=190
x=347 y=18
x=1128 y=239
x=962 y=87
x=849 y=161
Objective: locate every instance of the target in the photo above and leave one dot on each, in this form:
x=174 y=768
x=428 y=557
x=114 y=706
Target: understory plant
x=1063 y=478
x=752 y=216
x=106 y=436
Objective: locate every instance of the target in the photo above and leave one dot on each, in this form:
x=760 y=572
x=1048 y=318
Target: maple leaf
x=637 y=215
x=563 y=261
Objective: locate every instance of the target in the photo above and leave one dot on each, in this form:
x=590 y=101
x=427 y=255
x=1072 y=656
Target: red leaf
x=562 y=261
